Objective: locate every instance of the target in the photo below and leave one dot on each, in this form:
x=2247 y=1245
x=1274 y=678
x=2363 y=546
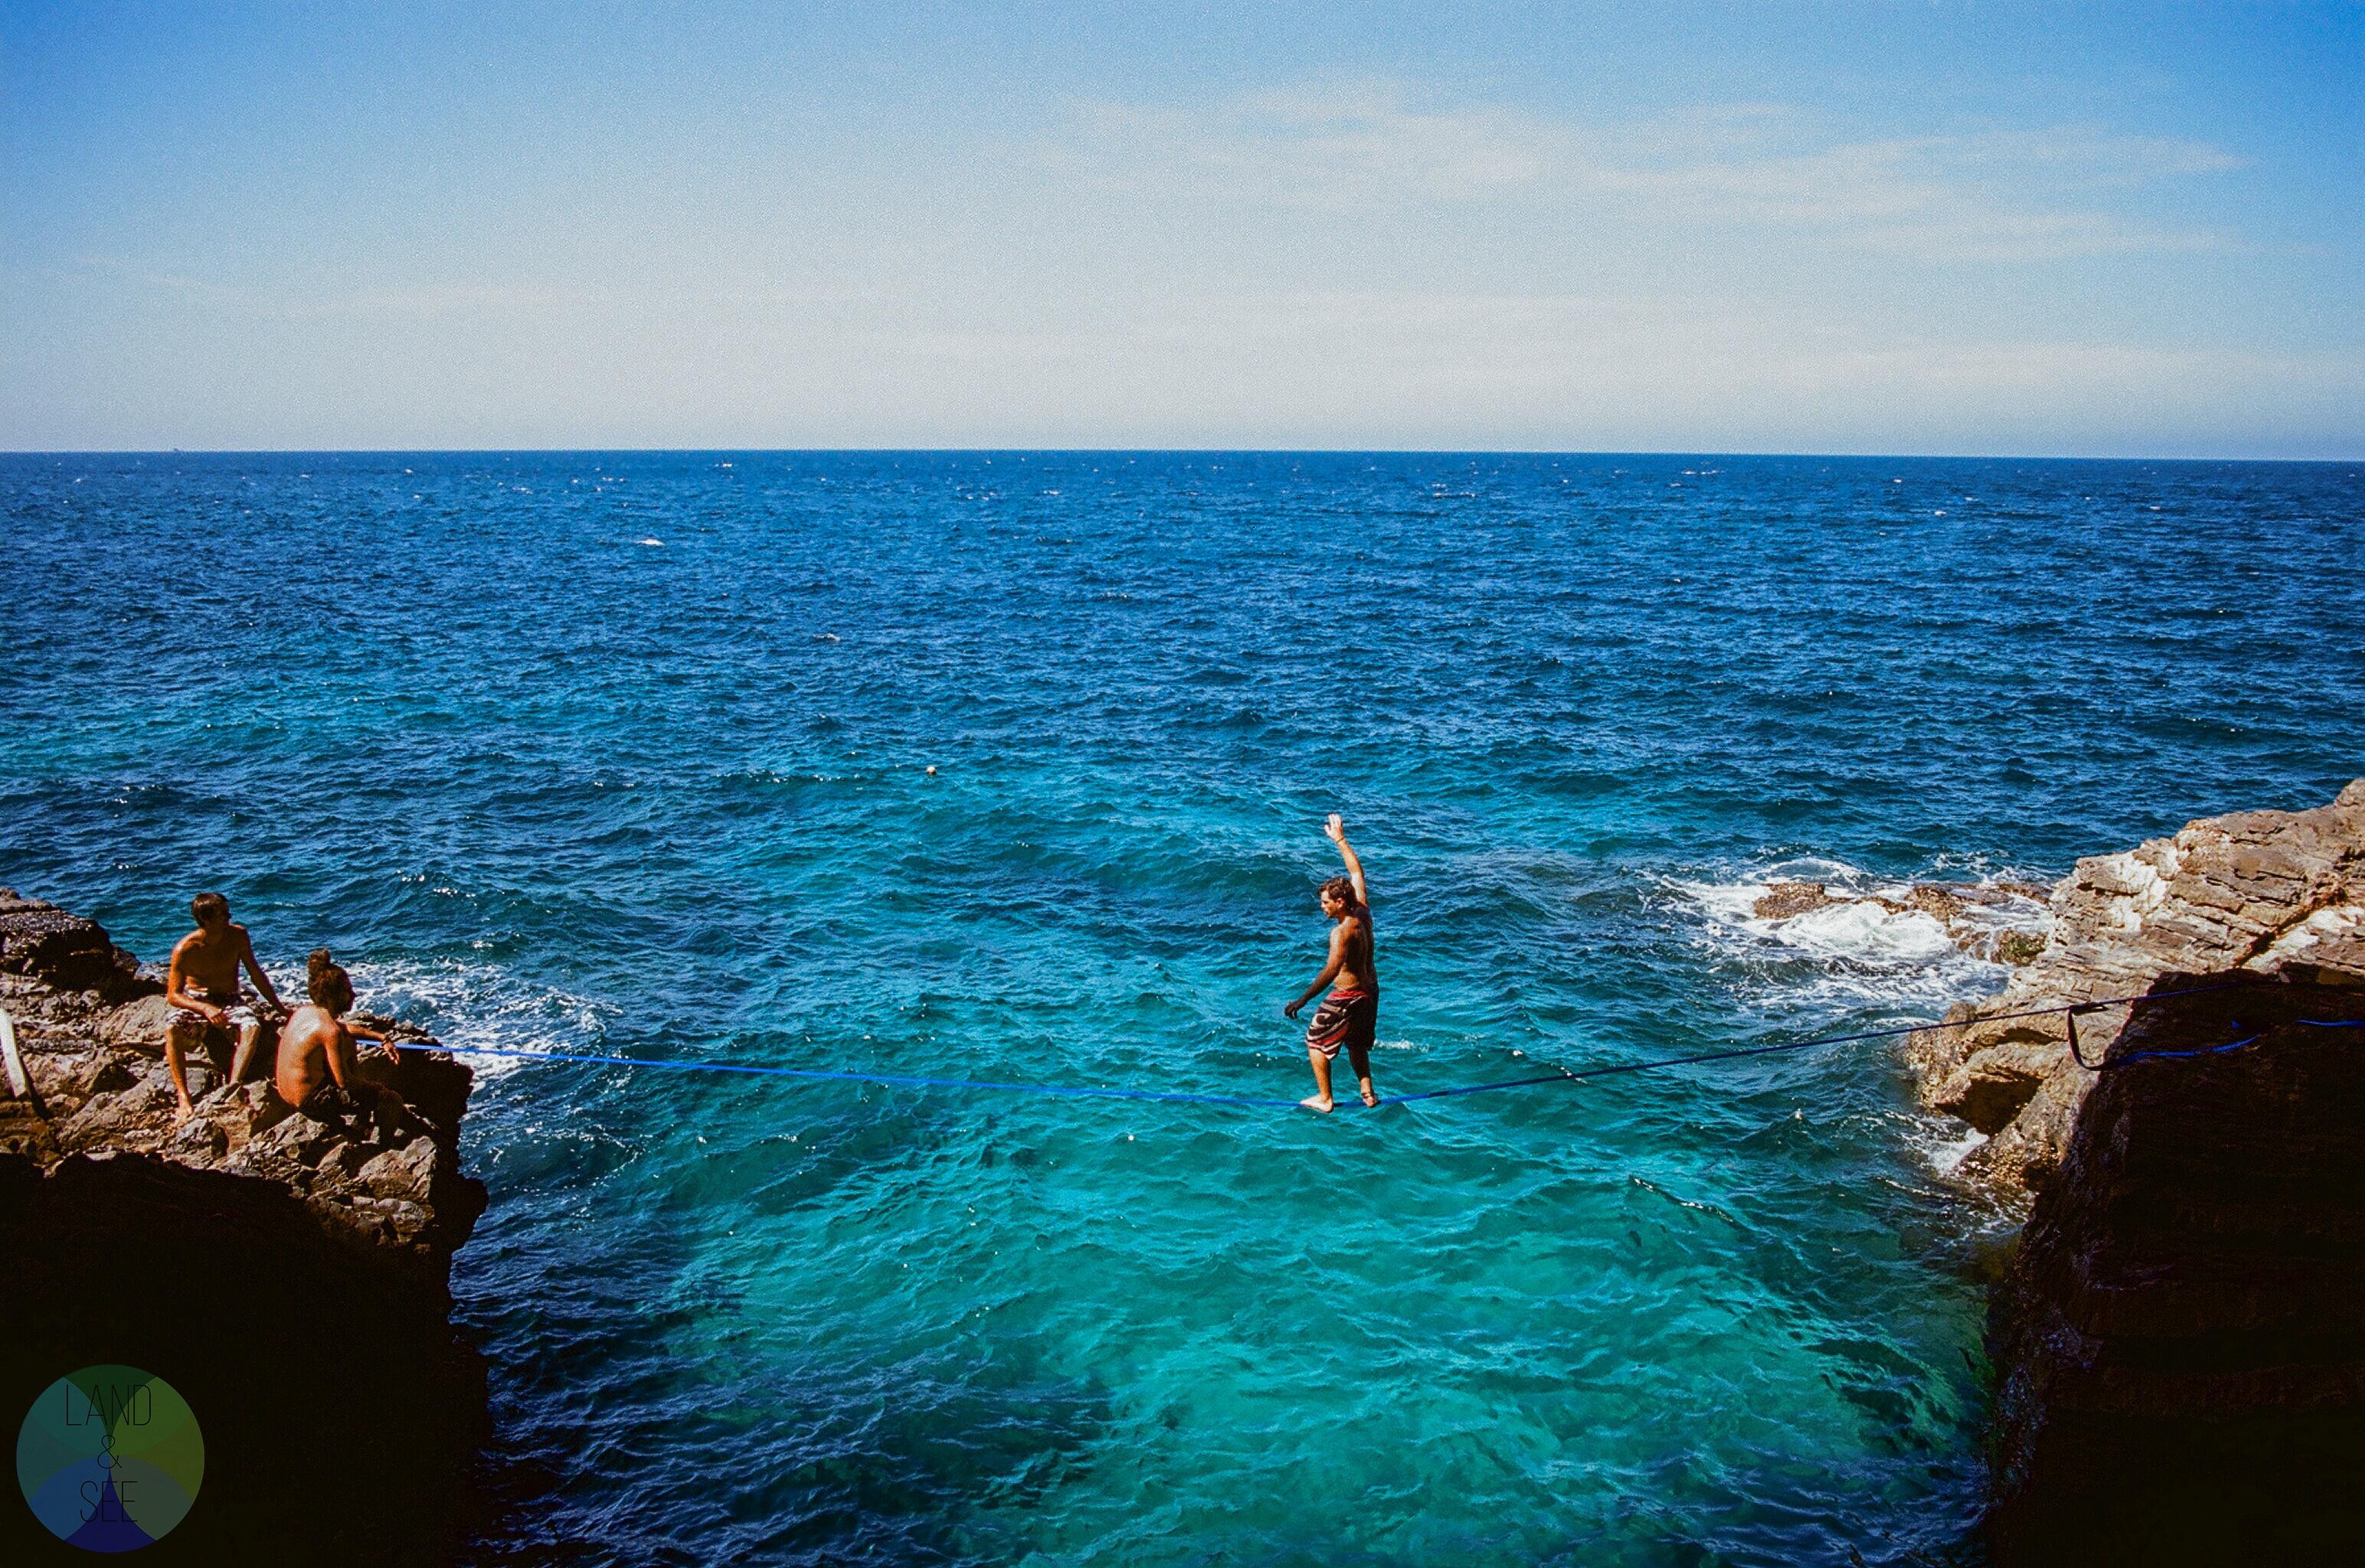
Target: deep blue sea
x=630 y=753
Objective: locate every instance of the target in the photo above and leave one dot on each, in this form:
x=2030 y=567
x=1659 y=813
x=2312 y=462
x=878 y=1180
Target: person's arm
x=1329 y=970
x=176 y=992
x=344 y=1066
x=1338 y=831
x=341 y=1056
x=364 y=1032
x=262 y=980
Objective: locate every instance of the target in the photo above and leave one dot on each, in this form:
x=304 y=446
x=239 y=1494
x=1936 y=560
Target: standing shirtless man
x=203 y=983
x=1351 y=1012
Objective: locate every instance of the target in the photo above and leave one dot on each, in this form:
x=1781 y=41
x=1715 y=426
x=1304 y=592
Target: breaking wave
x=1869 y=947
x=466 y=1004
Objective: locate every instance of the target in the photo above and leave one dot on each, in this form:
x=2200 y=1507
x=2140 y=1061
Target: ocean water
x=628 y=753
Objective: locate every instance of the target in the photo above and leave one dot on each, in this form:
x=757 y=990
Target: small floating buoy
x=932 y=770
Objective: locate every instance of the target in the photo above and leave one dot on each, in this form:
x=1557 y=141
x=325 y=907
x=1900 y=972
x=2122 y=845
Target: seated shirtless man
x=203 y=983
x=318 y=1071
x=1350 y=1014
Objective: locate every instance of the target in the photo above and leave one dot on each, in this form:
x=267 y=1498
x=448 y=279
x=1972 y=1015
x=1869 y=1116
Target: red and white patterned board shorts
x=1345 y=1018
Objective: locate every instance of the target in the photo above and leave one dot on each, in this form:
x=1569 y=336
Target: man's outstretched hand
x=1289 y=1009
x=1335 y=830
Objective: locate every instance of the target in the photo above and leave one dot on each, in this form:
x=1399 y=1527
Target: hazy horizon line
x=1154 y=451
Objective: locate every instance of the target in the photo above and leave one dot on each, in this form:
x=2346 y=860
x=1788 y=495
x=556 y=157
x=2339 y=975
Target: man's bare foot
x=186 y=1111
x=1322 y=1103
x=1370 y=1098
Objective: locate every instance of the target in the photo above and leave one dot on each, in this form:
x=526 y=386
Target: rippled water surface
x=628 y=753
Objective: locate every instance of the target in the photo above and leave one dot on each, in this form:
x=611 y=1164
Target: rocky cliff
x=2180 y=1339
x=2253 y=893
x=288 y=1277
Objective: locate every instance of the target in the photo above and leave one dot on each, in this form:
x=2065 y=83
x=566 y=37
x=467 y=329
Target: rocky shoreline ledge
x=2179 y=1337
x=2252 y=895
x=290 y=1279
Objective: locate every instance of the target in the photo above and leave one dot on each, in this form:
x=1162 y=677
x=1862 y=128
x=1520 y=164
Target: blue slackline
x=1270 y=1103
x=2112 y=1064
x=2131 y=1058
x=2116 y=1062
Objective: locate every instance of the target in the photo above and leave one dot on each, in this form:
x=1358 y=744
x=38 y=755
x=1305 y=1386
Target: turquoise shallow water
x=626 y=754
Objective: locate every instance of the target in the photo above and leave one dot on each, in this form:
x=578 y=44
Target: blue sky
x=1829 y=227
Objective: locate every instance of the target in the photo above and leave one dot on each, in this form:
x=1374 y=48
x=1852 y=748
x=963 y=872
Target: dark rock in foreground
x=62 y=951
x=2182 y=1337
x=340 y=1413
x=290 y=1278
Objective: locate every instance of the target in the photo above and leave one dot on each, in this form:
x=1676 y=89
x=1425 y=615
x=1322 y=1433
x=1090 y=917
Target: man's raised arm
x=1338 y=831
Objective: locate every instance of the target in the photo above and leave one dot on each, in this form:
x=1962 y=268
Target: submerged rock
x=1785 y=900
x=1977 y=917
x=2256 y=892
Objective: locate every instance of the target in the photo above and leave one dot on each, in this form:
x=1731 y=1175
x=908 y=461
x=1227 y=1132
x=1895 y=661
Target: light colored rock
x=102 y=1117
x=1989 y=1090
x=296 y=1137
x=93 y=1032
x=259 y=1108
x=2019 y=948
x=408 y=1172
x=66 y=1078
x=2024 y=1155
x=345 y=1161
x=1783 y=900
x=141 y=1025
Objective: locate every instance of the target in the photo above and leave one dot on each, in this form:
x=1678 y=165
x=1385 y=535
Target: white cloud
x=1342 y=266
x=1369 y=148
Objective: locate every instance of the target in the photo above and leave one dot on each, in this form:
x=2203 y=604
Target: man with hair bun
x=1349 y=1014
x=318 y=1071
x=203 y=983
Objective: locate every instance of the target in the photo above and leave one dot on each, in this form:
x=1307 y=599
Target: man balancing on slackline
x=1349 y=1014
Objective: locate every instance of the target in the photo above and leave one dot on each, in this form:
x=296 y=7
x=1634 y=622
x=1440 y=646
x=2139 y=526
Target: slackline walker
x=2073 y=1010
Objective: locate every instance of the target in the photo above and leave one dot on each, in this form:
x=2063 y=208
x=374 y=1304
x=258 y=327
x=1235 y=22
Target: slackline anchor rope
x=2113 y=1065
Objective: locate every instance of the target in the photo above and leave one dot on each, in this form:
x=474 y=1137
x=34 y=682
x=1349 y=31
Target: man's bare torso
x=304 y=1045
x=209 y=961
x=1357 y=968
